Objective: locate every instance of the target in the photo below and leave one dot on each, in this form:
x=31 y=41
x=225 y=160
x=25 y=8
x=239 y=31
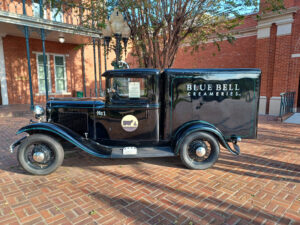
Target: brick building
x=271 y=43
x=68 y=63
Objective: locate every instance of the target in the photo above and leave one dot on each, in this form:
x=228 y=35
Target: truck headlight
x=38 y=111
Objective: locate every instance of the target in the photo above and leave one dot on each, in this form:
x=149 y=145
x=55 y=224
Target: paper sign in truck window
x=134 y=89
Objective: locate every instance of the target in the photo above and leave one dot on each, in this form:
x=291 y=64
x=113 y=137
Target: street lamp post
x=118 y=28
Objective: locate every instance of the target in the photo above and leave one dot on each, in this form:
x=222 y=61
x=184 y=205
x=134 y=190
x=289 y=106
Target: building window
x=36 y=9
x=60 y=74
x=41 y=74
x=56 y=12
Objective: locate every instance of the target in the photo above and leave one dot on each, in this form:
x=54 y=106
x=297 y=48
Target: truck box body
x=226 y=98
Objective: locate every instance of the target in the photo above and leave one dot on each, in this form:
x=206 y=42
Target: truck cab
x=132 y=107
x=149 y=113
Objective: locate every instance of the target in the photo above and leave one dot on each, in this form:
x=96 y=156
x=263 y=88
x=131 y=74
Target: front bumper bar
x=15 y=144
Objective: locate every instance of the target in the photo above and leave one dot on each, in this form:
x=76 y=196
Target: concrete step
x=285 y=117
x=295 y=119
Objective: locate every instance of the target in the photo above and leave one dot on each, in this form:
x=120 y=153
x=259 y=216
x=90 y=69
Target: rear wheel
x=40 y=154
x=199 y=150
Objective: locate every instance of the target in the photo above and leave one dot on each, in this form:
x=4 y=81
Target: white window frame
x=65 y=74
x=48 y=73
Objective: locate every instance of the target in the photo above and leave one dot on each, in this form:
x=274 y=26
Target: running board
x=143 y=152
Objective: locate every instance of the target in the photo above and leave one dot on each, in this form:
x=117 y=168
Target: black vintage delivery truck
x=148 y=113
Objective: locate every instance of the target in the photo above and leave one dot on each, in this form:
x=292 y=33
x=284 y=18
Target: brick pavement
x=262 y=186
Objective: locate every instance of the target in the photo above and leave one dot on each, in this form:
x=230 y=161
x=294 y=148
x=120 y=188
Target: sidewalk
x=18 y=110
x=295 y=118
x=261 y=186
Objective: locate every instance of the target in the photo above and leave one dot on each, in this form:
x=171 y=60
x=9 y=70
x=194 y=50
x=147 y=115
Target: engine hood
x=75 y=103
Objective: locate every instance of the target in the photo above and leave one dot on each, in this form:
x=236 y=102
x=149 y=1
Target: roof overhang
x=12 y=24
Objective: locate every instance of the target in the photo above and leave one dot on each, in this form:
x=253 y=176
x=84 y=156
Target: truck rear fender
x=196 y=126
x=65 y=133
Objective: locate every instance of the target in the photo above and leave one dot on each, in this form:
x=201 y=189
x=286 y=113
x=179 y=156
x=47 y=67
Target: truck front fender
x=65 y=133
x=198 y=126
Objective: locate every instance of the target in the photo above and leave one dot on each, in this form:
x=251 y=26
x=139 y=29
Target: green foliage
x=93 y=212
x=160 y=27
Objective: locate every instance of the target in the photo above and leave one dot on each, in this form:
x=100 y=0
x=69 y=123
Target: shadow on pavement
x=176 y=208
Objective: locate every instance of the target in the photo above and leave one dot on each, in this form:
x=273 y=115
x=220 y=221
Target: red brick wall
x=240 y=54
x=287 y=3
x=17 y=69
x=16 y=6
x=294 y=69
x=282 y=61
x=265 y=59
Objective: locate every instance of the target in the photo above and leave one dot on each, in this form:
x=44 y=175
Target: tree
x=158 y=28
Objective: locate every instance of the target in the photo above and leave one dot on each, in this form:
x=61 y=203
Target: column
x=282 y=61
x=265 y=60
x=3 y=74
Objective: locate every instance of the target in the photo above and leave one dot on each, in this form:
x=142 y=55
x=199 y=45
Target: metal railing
x=68 y=14
x=286 y=103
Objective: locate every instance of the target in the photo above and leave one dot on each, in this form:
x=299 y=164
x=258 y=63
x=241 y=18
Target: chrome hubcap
x=200 y=151
x=38 y=156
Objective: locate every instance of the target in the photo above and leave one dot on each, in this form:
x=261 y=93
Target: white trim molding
x=263 y=32
x=65 y=73
x=284 y=28
x=282 y=19
x=52 y=94
x=3 y=82
x=262 y=105
x=35 y=22
x=50 y=53
x=274 y=109
x=296 y=55
x=238 y=33
x=48 y=72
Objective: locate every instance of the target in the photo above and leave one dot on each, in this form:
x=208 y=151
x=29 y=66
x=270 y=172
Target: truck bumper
x=16 y=143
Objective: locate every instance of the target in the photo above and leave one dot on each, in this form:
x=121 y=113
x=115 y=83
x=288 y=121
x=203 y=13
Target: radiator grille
x=76 y=121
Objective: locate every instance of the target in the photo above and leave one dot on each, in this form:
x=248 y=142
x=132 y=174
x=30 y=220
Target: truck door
x=131 y=110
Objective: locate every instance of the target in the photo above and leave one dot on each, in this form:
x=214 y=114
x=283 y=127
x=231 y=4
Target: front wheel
x=199 y=150
x=40 y=154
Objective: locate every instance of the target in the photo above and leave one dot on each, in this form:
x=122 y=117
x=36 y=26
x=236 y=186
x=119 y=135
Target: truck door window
x=125 y=88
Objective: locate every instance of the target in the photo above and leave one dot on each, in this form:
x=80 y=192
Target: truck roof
x=147 y=71
x=230 y=70
x=139 y=72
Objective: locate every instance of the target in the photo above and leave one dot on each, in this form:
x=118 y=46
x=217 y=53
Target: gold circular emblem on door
x=129 y=123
